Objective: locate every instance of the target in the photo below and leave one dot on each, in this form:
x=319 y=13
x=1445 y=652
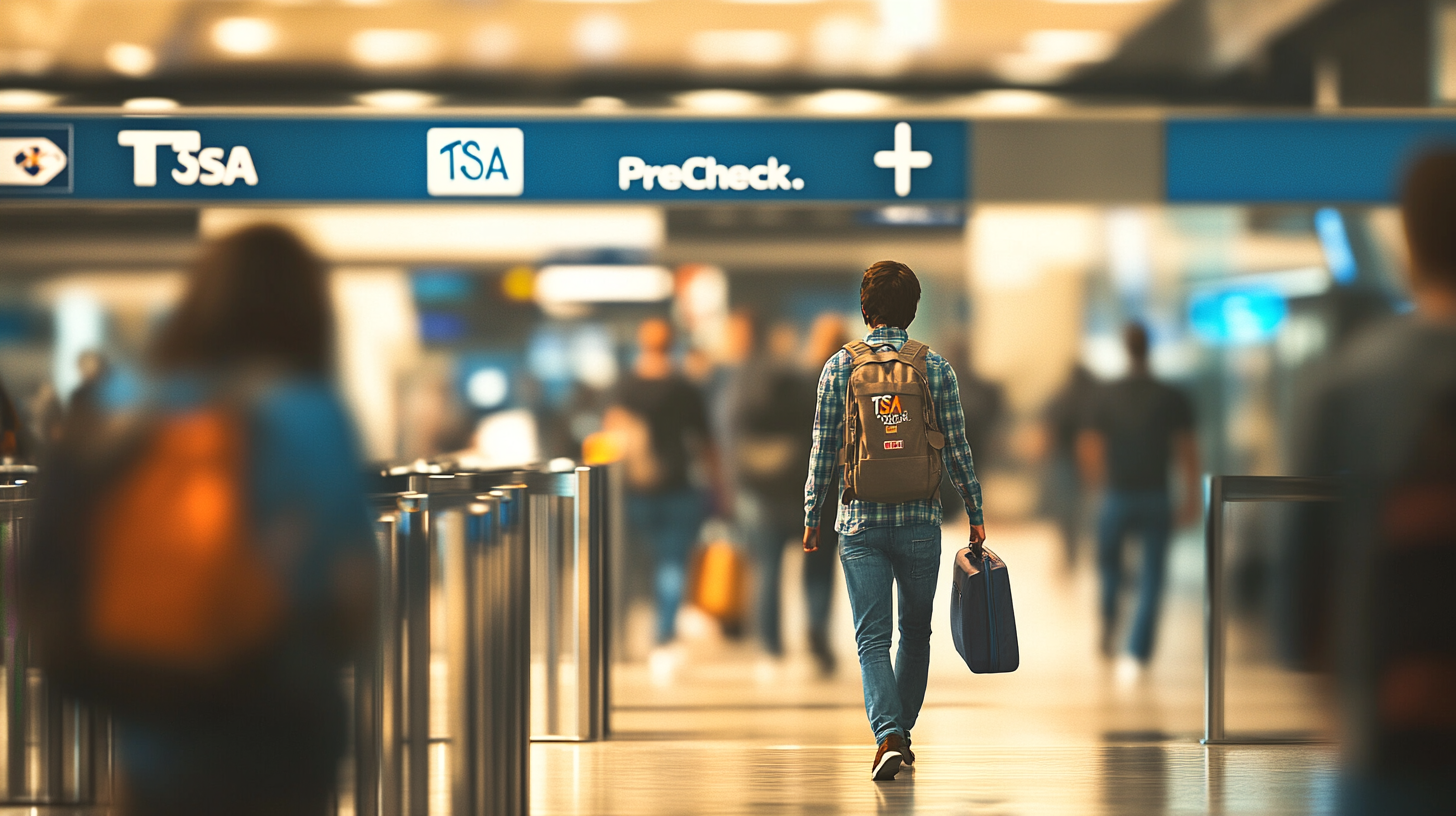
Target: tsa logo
x=475 y=161
x=30 y=161
x=195 y=163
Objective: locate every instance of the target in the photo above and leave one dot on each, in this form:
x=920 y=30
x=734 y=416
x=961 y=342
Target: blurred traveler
x=772 y=405
x=882 y=545
x=47 y=416
x=85 y=405
x=827 y=336
x=661 y=418
x=15 y=441
x=1383 y=420
x=1062 y=491
x=226 y=545
x=983 y=403
x=1134 y=428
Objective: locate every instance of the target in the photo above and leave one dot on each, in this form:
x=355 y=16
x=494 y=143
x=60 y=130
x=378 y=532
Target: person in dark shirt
x=1134 y=428
x=1383 y=420
x=1062 y=497
x=663 y=422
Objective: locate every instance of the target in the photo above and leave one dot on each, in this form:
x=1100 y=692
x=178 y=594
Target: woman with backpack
x=204 y=566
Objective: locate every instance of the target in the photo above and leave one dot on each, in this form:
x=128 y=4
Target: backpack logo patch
x=895 y=444
x=889 y=411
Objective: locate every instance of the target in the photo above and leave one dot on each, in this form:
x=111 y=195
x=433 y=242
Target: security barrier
x=1219 y=490
x=53 y=750
x=571 y=518
x=491 y=588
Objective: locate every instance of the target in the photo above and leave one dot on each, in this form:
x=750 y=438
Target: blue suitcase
x=982 y=621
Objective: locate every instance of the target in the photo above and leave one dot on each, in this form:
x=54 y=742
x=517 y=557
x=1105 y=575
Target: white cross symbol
x=903 y=159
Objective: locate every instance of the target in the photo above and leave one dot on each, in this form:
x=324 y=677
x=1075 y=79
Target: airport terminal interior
x=1224 y=173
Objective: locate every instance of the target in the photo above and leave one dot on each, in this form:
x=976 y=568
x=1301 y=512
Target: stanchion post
x=1213 y=610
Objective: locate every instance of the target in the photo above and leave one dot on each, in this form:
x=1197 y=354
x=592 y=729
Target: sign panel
x=350 y=159
x=35 y=159
x=1296 y=160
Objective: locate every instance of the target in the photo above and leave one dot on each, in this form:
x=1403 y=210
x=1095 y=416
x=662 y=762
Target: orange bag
x=174 y=578
x=720 y=584
x=147 y=589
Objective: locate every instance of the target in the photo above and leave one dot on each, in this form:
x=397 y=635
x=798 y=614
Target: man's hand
x=978 y=537
x=811 y=539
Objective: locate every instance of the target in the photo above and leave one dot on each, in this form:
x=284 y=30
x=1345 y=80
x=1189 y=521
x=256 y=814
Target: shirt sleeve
x=828 y=437
x=957 y=452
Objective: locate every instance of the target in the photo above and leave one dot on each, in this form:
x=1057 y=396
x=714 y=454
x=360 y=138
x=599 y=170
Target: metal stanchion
x=444 y=698
x=569 y=528
x=1218 y=491
x=55 y=750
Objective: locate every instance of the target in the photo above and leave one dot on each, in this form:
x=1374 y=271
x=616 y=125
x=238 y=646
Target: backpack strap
x=914 y=354
x=860 y=352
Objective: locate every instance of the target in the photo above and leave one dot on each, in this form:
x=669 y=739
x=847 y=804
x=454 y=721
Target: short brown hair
x=1429 y=206
x=889 y=294
x=256 y=297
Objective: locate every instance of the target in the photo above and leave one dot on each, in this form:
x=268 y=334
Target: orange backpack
x=148 y=584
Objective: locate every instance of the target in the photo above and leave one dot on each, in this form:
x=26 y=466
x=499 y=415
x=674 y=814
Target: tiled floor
x=733 y=734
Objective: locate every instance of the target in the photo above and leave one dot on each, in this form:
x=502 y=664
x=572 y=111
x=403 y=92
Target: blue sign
x=1237 y=316
x=352 y=159
x=1296 y=160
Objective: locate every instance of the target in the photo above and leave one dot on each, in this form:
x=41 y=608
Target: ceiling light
x=599 y=37
x=130 y=59
x=601 y=283
x=1070 y=46
x=720 y=100
x=397 y=99
x=244 y=36
x=493 y=44
x=394 y=48
x=468 y=233
x=150 y=104
x=1021 y=69
x=913 y=24
x=1011 y=101
x=1102 y=2
x=746 y=48
x=603 y=104
x=846 y=101
x=23 y=99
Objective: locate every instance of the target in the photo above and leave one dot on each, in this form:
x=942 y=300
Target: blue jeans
x=670 y=523
x=875 y=560
x=1146 y=512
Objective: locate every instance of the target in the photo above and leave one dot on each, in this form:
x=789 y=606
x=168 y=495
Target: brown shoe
x=888 y=758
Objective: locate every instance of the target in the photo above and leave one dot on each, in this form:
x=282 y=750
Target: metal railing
x=492 y=633
x=571 y=517
x=1218 y=491
x=53 y=750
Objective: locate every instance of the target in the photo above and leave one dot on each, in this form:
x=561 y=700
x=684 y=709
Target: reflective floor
x=734 y=733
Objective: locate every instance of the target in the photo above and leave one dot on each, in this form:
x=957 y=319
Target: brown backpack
x=892 y=441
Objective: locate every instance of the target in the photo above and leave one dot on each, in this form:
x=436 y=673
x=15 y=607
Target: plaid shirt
x=829 y=438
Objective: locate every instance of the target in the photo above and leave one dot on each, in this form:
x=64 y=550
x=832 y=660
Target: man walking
x=1134 y=428
x=882 y=544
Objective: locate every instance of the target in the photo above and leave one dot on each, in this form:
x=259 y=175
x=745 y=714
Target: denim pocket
x=925 y=556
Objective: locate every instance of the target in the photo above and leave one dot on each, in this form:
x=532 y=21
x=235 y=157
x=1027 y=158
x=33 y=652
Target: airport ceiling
x=293 y=51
